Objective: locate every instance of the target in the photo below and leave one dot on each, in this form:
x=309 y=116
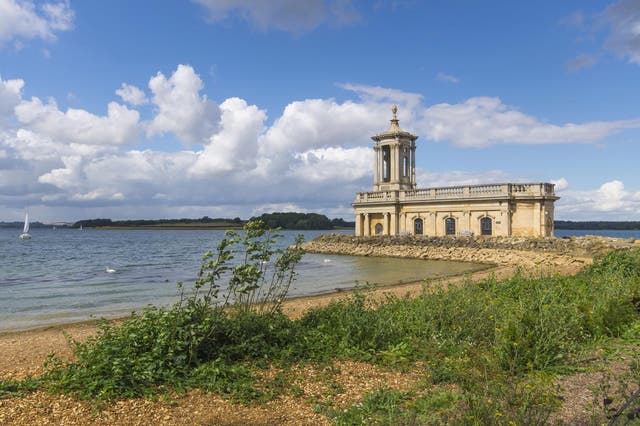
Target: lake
x=61 y=275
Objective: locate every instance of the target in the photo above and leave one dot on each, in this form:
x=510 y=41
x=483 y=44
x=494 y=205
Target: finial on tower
x=394 y=119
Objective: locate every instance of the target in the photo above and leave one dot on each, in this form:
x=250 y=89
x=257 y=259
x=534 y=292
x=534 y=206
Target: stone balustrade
x=515 y=190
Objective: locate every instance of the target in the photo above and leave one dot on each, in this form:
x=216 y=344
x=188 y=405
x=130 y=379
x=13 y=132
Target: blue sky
x=236 y=107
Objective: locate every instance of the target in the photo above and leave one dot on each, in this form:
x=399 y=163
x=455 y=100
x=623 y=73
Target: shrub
x=169 y=346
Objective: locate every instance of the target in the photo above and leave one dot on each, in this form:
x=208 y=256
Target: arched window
x=486 y=225
x=418 y=226
x=450 y=226
x=378 y=228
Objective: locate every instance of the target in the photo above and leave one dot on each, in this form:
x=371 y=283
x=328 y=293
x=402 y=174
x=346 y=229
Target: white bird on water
x=110 y=270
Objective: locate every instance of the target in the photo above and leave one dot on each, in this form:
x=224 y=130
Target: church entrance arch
x=418 y=226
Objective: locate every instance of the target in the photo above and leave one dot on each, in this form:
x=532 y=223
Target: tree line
x=289 y=220
x=303 y=221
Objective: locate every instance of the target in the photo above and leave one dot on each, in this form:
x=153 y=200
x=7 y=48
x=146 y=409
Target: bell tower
x=394 y=153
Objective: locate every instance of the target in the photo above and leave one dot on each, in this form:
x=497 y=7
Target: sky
x=222 y=108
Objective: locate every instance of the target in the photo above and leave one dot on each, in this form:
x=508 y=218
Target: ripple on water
x=60 y=275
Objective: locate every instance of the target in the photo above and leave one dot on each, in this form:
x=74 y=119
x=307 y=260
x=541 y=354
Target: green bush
x=163 y=347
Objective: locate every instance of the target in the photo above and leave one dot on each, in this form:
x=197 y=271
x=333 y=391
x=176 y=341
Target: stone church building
x=396 y=206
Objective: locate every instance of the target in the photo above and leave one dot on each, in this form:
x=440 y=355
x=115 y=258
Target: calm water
x=60 y=275
x=604 y=233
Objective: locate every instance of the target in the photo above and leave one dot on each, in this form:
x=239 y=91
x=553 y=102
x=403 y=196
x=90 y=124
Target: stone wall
x=521 y=251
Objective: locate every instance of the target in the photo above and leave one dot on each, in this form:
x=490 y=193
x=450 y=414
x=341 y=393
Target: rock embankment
x=520 y=251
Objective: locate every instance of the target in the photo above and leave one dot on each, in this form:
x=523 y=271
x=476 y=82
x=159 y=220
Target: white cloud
x=10 y=96
x=32 y=146
x=235 y=147
x=314 y=156
x=318 y=123
x=484 y=121
x=21 y=19
x=447 y=77
x=623 y=20
x=180 y=107
x=611 y=201
x=560 y=184
x=132 y=95
x=333 y=164
x=284 y=15
x=120 y=126
x=376 y=94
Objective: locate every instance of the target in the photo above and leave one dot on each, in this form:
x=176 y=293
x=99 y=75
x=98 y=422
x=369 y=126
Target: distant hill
x=596 y=225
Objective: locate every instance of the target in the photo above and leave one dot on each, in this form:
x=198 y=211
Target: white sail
x=25 y=230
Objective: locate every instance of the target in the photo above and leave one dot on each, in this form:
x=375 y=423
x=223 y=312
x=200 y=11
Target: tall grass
x=497 y=343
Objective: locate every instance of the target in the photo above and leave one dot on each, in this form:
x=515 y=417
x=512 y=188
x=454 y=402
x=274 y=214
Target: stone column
x=398 y=163
x=358 y=225
x=413 y=164
x=367 y=226
x=385 y=224
x=376 y=166
x=434 y=218
x=468 y=214
x=394 y=224
x=537 y=211
x=506 y=221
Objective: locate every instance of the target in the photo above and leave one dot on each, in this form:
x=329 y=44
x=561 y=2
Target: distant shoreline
x=194 y=227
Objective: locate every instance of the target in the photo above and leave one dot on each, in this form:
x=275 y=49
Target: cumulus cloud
x=317 y=123
x=132 y=95
x=235 y=147
x=22 y=19
x=611 y=201
x=285 y=15
x=180 y=108
x=120 y=126
x=326 y=165
x=484 y=121
x=10 y=96
x=315 y=154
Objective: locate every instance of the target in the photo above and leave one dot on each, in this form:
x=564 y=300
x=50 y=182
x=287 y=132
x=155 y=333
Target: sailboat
x=25 y=231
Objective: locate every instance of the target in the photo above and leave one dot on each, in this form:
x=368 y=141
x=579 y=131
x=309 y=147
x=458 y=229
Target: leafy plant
x=210 y=327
